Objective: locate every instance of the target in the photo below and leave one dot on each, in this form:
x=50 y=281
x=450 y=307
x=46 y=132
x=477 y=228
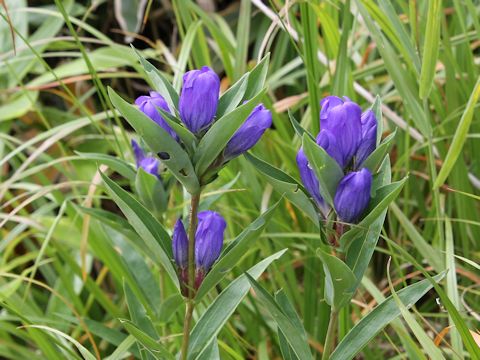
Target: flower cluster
x=208 y=245
x=349 y=137
x=197 y=111
x=198 y=104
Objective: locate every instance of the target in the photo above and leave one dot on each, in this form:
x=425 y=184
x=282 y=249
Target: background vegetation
x=73 y=272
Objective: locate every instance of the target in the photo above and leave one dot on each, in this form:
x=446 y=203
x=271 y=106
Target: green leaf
x=187 y=43
x=159 y=141
x=299 y=130
x=139 y=316
x=233 y=96
x=217 y=137
x=377 y=110
x=365 y=330
x=186 y=136
x=149 y=229
x=327 y=170
x=217 y=314
x=430 y=47
x=459 y=138
x=359 y=253
x=289 y=310
x=87 y=355
x=383 y=197
x=339 y=280
x=147 y=341
x=114 y=163
x=287 y=186
x=256 y=79
x=159 y=82
x=297 y=340
x=151 y=192
x=452 y=284
x=235 y=251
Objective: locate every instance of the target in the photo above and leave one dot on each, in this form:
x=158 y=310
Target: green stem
x=186 y=328
x=192 y=228
x=330 y=338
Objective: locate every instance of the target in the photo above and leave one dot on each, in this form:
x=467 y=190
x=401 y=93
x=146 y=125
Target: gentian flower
x=310 y=181
x=343 y=119
x=249 y=132
x=180 y=245
x=149 y=164
x=369 y=137
x=328 y=142
x=208 y=239
x=353 y=195
x=208 y=246
x=148 y=105
x=199 y=99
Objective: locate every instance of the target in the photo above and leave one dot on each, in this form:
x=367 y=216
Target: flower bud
x=148 y=163
x=342 y=119
x=249 y=133
x=148 y=105
x=199 y=99
x=180 y=245
x=310 y=181
x=353 y=195
x=369 y=137
x=208 y=239
x=328 y=142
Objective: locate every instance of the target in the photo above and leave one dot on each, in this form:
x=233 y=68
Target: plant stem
x=330 y=338
x=186 y=328
x=192 y=228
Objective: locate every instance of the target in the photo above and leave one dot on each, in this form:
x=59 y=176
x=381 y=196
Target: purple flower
x=369 y=137
x=208 y=239
x=199 y=99
x=353 y=195
x=328 y=142
x=180 y=245
x=147 y=163
x=259 y=120
x=310 y=181
x=343 y=119
x=148 y=105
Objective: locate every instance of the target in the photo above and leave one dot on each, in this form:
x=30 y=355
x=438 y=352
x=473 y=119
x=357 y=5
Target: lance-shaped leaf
x=159 y=83
x=153 y=346
x=114 y=163
x=233 y=96
x=159 y=141
x=150 y=230
x=234 y=252
x=364 y=331
x=328 y=172
x=286 y=185
x=217 y=314
x=339 y=280
x=296 y=339
x=359 y=253
x=257 y=77
x=151 y=191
